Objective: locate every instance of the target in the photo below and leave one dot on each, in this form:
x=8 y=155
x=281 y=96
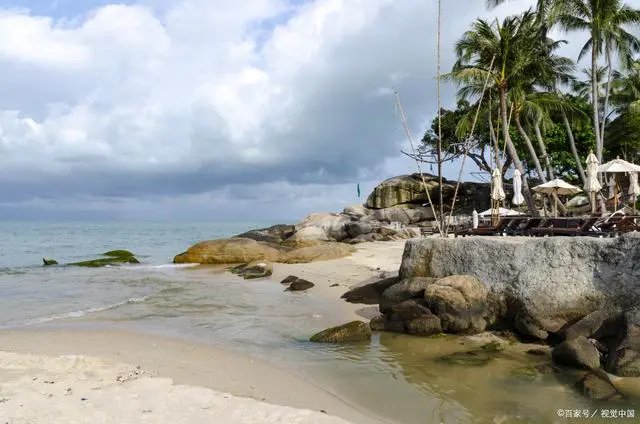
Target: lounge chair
x=586 y=228
x=493 y=230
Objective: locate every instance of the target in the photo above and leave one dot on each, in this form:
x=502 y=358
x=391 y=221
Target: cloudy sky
x=213 y=109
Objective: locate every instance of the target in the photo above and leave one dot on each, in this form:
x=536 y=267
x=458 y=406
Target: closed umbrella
x=474 y=218
x=497 y=192
x=518 y=198
x=592 y=185
x=634 y=187
x=612 y=187
x=559 y=188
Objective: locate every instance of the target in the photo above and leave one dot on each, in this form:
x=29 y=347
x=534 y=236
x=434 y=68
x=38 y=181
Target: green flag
x=358 y=189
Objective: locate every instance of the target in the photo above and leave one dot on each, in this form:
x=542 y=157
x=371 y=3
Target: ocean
x=394 y=376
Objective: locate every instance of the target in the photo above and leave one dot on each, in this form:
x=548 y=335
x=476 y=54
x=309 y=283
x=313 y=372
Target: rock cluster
x=113 y=257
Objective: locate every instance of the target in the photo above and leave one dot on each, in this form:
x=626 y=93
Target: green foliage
x=623 y=137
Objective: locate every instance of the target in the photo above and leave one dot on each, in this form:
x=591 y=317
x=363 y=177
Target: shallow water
x=396 y=377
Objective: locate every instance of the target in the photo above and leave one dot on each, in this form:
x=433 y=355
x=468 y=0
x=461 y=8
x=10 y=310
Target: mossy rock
x=476 y=357
x=97 y=263
x=49 y=261
x=355 y=331
x=119 y=254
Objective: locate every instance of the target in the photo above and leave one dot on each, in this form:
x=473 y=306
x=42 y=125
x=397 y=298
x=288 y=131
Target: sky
x=260 y=110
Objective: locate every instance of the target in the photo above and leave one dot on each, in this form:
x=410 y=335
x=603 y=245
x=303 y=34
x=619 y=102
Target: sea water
x=395 y=377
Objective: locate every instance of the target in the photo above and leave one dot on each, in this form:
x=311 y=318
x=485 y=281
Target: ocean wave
x=143 y=267
x=75 y=314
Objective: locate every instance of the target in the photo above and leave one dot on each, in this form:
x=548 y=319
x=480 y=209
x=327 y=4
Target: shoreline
x=191 y=364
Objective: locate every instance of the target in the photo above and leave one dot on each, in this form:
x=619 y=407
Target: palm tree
x=605 y=20
x=500 y=53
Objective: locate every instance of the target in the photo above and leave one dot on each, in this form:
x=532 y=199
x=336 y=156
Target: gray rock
x=300 y=285
x=624 y=356
x=550 y=277
x=49 y=261
x=288 y=280
x=577 y=353
x=355 y=229
x=425 y=325
x=529 y=326
x=596 y=388
x=404 y=215
x=377 y=323
x=460 y=301
x=356 y=210
x=275 y=234
x=354 y=331
x=369 y=294
x=407 y=311
x=599 y=324
x=412 y=288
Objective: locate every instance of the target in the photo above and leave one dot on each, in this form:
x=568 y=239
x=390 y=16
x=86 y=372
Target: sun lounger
x=493 y=230
x=586 y=228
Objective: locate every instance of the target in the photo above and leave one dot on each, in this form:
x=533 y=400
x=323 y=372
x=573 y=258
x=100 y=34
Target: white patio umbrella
x=501 y=212
x=518 y=198
x=634 y=187
x=559 y=188
x=592 y=185
x=617 y=166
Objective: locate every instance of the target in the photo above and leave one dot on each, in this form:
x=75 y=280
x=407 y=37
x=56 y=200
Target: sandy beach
x=78 y=376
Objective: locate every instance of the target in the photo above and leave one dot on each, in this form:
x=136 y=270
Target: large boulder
x=356 y=211
x=406 y=214
x=369 y=294
x=275 y=234
x=409 y=190
x=460 y=301
x=624 y=356
x=354 y=331
x=577 y=353
x=411 y=288
x=355 y=229
x=600 y=324
x=400 y=190
x=551 y=279
x=413 y=317
x=228 y=251
x=321 y=226
x=319 y=252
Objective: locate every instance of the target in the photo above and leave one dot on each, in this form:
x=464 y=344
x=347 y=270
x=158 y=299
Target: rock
x=409 y=190
x=529 y=326
x=577 y=353
x=118 y=254
x=228 y=251
x=624 y=356
x=49 y=261
x=405 y=214
x=425 y=325
x=97 y=263
x=377 y=323
x=599 y=324
x=355 y=229
x=475 y=357
x=596 y=388
x=369 y=294
x=275 y=234
x=555 y=279
x=407 y=310
x=460 y=301
x=537 y=352
x=412 y=288
x=322 y=227
x=307 y=236
x=300 y=285
x=354 y=331
x=357 y=211
x=320 y=252
x=257 y=269
x=400 y=190
x=288 y=280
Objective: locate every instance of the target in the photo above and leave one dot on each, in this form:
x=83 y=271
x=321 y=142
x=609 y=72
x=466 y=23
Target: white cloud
x=187 y=96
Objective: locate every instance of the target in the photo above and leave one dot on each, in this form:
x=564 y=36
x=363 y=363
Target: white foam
x=76 y=314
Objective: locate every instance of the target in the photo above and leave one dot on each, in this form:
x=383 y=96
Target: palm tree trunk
x=532 y=150
x=574 y=149
x=606 y=96
x=543 y=150
x=536 y=161
x=594 y=95
x=526 y=192
x=494 y=140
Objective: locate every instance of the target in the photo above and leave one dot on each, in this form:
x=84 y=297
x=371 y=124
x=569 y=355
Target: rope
x=467 y=148
x=413 y=150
